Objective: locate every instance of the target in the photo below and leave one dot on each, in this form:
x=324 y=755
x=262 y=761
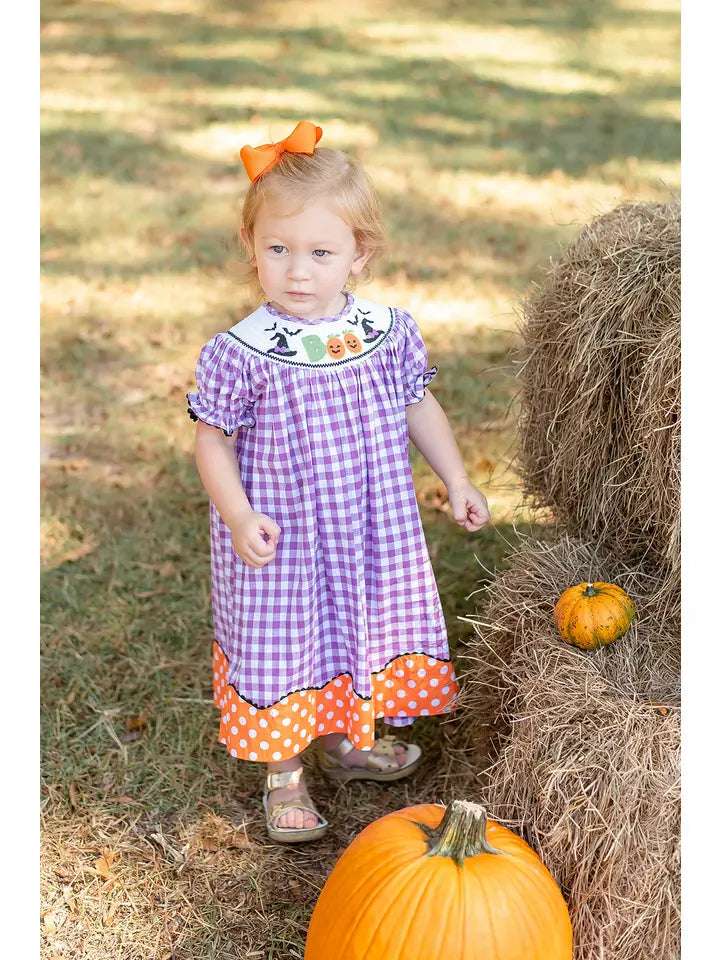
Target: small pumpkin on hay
x=591 y=615
x=428 y=883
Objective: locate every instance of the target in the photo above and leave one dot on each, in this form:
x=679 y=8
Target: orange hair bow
x=258 y=160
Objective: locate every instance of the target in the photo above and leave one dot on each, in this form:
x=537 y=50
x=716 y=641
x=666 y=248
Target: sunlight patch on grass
x=650 y=180
x=512 y=196
x=558 y=80
x=92 y=104
x=173 y=7
x=443 y=122
x=525 y=56
x=660 y=64
x=656 y=58
x=660 y=109
x=63 y=541
x=462 y=42
x=59 y=85
x=370 y=87
x=222 y=142
x=140 y=309
x=645 y=6
x=325 y=13
x=450 y=306
x=63 y=63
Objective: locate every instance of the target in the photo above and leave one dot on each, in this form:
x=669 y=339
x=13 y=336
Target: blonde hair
x=298 y=179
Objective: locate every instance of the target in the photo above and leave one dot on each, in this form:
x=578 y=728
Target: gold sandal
x=382 y=765
x=289 y=778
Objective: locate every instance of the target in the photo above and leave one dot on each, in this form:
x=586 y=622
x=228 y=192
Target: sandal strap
x=341 y=750
x=381 y=759
x=284 y=778
x=382 y=756
x=301 y=802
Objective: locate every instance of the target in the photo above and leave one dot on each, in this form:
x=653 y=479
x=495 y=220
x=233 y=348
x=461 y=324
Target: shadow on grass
x=565 y=17
x=102 y=151
x=493 y=123
x=428 y=242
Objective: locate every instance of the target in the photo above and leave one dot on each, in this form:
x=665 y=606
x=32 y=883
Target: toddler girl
x=325 y=606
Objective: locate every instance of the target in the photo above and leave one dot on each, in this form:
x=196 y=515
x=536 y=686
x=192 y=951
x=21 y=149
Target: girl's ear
x=361 y=258
x=247 y=243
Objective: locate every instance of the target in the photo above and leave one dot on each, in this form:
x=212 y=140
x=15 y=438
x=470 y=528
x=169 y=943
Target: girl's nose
x=298 y=268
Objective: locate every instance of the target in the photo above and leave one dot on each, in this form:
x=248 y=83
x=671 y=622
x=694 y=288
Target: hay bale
x=599 y=418
x=588 y=768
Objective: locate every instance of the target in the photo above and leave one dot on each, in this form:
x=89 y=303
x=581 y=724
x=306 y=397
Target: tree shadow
x=67 y=152
x=573 y=17
x=430 y=241
x=537 y=131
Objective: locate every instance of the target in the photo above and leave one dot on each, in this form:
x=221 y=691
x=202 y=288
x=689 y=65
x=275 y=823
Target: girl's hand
x=255 y=537
x=469 y=506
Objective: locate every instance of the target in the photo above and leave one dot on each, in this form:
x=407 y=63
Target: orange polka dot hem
x=412 y=685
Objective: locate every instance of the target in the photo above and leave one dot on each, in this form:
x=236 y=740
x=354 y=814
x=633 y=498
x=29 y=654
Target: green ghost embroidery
x=314 y=347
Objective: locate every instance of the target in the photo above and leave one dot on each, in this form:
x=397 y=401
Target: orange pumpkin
x=589 y=615
x=428 y=883
x=352 y=342
x=335 y=347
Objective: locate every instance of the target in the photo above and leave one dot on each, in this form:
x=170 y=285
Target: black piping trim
x=427 y=379
x=313 y=366
x=411 y=653
x=194 y=417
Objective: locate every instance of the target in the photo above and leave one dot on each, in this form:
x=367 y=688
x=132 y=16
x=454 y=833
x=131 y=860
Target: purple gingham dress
x=322 y=446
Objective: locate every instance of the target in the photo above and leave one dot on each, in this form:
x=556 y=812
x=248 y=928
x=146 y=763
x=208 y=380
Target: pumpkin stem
x=590 y=591
x=461 y=833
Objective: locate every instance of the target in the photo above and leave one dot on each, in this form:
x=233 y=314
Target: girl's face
x=304 y=258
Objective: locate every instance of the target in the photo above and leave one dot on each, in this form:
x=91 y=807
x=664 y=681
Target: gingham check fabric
x=322 y=448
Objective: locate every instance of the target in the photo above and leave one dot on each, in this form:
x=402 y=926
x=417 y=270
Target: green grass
x=492 y=130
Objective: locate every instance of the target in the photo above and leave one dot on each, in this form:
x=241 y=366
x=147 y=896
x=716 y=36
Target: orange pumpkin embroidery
x=335 y=347
x=352 y=342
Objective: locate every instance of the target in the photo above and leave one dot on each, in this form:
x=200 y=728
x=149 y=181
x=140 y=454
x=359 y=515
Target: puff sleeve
x=227 y=386
x=415 y=373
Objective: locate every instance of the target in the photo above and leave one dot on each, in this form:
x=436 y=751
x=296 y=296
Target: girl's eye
x=277 y=248
x=321 y=253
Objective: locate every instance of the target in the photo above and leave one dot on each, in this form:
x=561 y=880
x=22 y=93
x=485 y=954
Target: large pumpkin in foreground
x=590 y=615
x=426 y=883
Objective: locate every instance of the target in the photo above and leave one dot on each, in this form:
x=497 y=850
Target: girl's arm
x=430 y=431
x=218 y=469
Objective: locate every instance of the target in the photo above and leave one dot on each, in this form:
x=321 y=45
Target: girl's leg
x=292 y=818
